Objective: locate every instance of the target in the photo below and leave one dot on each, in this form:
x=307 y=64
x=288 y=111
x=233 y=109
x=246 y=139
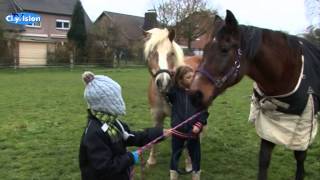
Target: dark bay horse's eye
x=225 y=47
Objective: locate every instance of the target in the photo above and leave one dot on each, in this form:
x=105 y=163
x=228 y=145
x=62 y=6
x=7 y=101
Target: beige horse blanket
x=296 y=132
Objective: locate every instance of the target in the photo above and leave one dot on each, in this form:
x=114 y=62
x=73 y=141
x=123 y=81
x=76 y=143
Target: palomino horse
x=163 y=56
x=286 y=71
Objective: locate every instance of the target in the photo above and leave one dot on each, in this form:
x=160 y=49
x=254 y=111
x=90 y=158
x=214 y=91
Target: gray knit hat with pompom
x=103 y=94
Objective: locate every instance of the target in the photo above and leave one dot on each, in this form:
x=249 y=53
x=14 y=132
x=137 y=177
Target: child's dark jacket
x=100 y=159
x=182 y=109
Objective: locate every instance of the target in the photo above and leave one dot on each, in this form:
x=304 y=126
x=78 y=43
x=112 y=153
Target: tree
x=312 y=32
x=312 y=12
x=190 y=18
x=108 y=35
x=195 y=25
x=77 y=33
x=313 y=36
x=170 y=12
x=6 y=53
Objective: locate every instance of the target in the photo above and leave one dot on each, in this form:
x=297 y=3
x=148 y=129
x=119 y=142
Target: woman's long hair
x=180 y=73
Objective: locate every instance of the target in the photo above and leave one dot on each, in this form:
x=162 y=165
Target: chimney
x=150 y=20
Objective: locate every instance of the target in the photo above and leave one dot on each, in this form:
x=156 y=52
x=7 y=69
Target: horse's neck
x=275 y=72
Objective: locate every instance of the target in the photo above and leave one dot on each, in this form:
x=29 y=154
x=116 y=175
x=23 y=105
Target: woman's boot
x=173 y=175
x=196 y=175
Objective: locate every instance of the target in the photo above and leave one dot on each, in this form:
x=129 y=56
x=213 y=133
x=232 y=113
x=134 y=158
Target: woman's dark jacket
x=100 y=159
x=182 y=109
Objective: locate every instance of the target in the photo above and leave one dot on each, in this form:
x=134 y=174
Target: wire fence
x=66 y=62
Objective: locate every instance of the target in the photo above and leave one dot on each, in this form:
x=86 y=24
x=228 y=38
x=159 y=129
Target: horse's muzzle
x=159 y=83
x=196 y=98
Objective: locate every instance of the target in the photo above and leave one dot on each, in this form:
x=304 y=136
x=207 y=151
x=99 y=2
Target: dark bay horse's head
x=162 y=55
x=221 y=67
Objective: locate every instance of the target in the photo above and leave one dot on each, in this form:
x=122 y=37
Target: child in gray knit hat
x=103 y=154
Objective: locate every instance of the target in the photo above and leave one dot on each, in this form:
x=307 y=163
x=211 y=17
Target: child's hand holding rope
x=167 y=132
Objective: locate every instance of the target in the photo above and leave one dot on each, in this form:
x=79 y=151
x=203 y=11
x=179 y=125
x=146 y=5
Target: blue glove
x=135 y=157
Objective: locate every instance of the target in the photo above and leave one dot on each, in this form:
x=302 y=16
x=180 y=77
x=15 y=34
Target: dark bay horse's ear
x=231 y=21
x=172 y=34
x=218 y=20
x=217 y=24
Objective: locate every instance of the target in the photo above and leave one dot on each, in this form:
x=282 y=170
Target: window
x=35 y=24
x=62 y=24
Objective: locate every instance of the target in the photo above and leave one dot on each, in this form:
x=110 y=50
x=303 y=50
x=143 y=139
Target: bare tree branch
x=190 y=18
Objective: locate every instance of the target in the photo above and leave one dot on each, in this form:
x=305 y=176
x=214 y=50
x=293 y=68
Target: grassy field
x=42 y=116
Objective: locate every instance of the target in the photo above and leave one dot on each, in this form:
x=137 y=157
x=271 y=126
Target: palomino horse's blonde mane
x=160 y=36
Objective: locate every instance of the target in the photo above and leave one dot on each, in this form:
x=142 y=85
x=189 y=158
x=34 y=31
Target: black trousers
x=193 y=146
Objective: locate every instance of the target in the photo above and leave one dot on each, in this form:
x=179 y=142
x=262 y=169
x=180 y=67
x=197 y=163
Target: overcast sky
x=285 y=15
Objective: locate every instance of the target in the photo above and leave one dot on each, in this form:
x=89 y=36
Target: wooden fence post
x=71 y=61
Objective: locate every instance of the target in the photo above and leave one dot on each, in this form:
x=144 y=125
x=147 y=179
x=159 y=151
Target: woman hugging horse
x=163 y=56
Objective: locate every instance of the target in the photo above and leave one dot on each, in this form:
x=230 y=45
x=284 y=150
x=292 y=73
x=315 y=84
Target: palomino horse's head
x=162 y=55
x=221 y=67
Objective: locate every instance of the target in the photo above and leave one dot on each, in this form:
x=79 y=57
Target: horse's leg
x=158 y=117
x=266 y=148
x=300 y=157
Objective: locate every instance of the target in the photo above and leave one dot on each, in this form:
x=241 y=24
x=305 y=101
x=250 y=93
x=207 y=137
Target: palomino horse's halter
x=159 y=71
x=154 y=75
x=233 y=72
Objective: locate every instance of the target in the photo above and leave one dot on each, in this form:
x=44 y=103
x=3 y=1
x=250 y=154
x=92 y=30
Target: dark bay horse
x=163 y=56
x=286 y=72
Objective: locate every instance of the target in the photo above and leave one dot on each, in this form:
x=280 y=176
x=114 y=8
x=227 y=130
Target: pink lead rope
x=147 y=146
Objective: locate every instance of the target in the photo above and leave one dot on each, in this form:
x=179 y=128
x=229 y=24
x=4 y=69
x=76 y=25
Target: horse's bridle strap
x=234 y=71
x=162 y=71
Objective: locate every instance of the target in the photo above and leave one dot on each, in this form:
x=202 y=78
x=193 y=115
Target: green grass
x=43 y=115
